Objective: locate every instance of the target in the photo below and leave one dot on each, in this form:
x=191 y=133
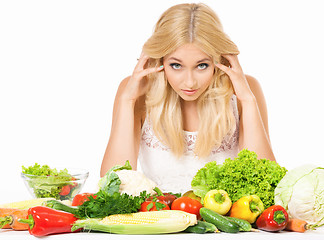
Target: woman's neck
x=189 y=115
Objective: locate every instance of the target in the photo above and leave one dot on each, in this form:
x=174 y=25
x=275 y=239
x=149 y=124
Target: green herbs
x=106 y=204
x=48 y=182
x=245 y=175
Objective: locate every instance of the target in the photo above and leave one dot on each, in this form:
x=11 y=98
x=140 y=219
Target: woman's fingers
x=147 y=71
x=234 y=67
x=224 y=68
x=140 y=71
x=137 y=84
x=233 y=60
x=141 y=62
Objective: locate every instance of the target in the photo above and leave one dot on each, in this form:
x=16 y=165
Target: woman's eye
x=175 y=66
x=202 y=66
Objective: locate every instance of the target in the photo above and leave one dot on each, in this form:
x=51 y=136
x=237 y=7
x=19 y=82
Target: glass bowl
x=58 y=187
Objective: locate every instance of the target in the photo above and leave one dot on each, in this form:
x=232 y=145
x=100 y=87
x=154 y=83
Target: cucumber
x=244 y=225
x=201 y=227
x=221 y=222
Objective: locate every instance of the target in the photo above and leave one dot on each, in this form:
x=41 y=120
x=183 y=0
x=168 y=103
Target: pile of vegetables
x=233 y=197
x=244 y=175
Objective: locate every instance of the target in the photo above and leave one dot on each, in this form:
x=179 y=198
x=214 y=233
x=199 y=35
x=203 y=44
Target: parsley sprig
x=106 y=204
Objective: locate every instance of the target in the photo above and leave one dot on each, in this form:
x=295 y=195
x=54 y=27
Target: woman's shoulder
x=253 y=83
x=256 y=89
x=123 y=84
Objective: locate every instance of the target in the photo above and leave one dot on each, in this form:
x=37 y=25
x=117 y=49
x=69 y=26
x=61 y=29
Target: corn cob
x=154 y=222
x=25 y=204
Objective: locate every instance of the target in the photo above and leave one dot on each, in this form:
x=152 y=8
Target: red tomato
x=167 y=198
x=188 y=205
x=79 y=199
x=151 y=206
x=65 y=190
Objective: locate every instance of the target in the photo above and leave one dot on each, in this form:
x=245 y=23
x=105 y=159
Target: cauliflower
x=134 y=182
x=124 y=180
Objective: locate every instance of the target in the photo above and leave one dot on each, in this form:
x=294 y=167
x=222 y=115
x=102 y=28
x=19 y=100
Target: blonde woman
x=187 y=102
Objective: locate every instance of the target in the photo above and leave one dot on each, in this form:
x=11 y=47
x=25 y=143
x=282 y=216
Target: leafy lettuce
x=245 y=175
x=47 y=182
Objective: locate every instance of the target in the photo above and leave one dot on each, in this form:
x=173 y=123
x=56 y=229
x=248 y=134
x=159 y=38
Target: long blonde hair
x=179 y=25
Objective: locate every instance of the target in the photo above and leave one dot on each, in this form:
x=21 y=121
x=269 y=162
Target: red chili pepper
x=273 y=219
x=44 y=221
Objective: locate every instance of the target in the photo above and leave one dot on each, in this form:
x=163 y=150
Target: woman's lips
x=189 y=92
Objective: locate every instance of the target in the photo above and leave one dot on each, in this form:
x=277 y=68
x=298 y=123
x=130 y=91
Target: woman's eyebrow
x=173 y=58
x=176 y=59
x=204 y=60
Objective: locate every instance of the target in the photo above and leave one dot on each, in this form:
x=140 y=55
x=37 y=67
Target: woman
x=187 y=102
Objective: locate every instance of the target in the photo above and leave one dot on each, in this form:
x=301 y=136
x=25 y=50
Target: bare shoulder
x=122 y=85
x=120 y=92
x=256 y=89
x=254 y=85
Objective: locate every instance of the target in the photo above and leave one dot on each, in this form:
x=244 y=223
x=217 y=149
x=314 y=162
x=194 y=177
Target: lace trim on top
x=150 y=140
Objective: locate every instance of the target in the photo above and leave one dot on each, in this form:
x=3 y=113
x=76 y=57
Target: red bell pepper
x=44 y=221
x=273 y=219
x=79 y=199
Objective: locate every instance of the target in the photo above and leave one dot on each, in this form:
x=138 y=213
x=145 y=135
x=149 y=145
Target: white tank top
x=173 y=174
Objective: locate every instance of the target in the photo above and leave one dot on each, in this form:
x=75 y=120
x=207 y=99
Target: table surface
x=7 y=234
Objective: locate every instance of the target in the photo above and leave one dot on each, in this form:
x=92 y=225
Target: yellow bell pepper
x=247 y=208
x=218 y=201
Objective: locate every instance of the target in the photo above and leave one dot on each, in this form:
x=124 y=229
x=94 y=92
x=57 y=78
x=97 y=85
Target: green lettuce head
x=244 y=175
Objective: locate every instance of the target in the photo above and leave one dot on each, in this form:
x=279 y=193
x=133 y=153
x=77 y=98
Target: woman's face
x=189 y=71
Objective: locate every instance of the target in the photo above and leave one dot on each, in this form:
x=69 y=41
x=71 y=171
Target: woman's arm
x=122 y=144
x=254 y=134
x=254 y=131
x=125 y=131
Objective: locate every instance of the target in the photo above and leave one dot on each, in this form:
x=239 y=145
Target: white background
x=62 y=61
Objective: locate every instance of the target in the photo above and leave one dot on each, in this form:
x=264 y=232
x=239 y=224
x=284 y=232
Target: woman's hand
x=137 y=84
x=235 y=73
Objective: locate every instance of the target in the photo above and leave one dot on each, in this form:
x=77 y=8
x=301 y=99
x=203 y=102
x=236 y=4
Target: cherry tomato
x=188 y=205
x=65 y=190
x=79 y=199
x=152 y=206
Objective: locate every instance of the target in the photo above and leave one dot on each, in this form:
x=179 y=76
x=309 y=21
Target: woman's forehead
x=188 y=52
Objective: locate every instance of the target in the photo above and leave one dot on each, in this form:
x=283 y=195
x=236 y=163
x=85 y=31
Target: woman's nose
x=190 y=81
